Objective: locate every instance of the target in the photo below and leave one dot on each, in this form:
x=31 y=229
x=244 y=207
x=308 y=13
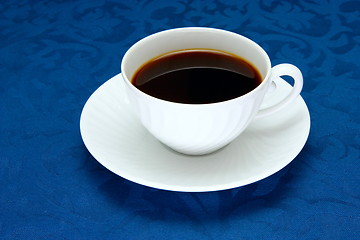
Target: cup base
x=196 y=153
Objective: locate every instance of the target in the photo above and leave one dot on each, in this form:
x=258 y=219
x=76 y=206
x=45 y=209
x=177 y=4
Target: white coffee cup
x=198 y=129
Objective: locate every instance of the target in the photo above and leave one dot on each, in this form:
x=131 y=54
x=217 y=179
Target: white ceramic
x=117 y=139
x=202 y=128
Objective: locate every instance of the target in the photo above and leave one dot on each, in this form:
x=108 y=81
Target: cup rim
x=260 y=86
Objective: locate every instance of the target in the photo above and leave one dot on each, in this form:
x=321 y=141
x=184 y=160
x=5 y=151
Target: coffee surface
x=197 y=76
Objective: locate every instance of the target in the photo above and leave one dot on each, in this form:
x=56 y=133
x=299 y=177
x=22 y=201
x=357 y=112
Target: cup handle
x=284 y=69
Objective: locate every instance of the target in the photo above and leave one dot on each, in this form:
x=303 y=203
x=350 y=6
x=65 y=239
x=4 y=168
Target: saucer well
x=117 y=140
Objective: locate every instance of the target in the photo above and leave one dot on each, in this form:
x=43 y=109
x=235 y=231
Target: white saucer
x=116 y=139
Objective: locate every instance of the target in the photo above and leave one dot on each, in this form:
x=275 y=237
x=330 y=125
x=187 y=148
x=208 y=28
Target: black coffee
x=197 y=76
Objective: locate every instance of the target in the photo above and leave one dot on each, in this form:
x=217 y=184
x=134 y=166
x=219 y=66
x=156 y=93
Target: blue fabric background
x=54 y=54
